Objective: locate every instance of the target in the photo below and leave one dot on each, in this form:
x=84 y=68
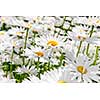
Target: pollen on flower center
x=61 y=81
x=3 y=19
x=29 y=25
x=81 y=30
x=18 y=33
x=2 y=33
x=81 y=37
x=40 y=54
x=52 y=43
x=98 y=21
x=81 y=69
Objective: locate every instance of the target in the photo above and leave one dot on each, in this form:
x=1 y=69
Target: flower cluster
x=53 y=49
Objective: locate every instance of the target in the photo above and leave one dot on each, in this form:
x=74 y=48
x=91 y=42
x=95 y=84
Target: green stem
x=61 y=60
x=96 y=55
x=38 y=62
x=11 y=74
x=25 y=45
x=82 y=78
x=26 y=39
x=79 y=48
x=48 y=64
x=28 y=62
x=87 y=49
x=12 y=54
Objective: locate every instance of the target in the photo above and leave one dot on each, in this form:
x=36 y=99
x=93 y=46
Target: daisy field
x=49 y=49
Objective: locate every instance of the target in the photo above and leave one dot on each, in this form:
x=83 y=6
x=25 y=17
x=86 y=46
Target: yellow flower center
x=35 y=31
x=61 y=81
x=52 y=43
x=18 y=33
x=81 y=30
x=3 y=19
x=2 y=33
x=40 y=54
x=81 y=37
x=65 y=64
x=29 y=25
x=37 y=19
x=98 y=21
x=82 y=69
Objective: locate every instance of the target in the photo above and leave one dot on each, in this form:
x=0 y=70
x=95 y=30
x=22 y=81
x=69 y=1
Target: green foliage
x=20 y=76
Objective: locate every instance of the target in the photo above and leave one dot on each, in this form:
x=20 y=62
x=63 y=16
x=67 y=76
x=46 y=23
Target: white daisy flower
x=57 y=76
x=79 y=20
x=37 y=28
x=48 y=20
x=51 y=41
x=3 y=36
x=11 y=43
x=37 y=52
x=11 y=21
x=82 y=69
x=26 y=69
x=89 y=20
x=79 y=33
x=17 y=43
x=37 y=19
x=34 y=79
x=5 y=79
x=82 y=34
x=93 y=21
x=58 y=21
x=16 y=31
x=4 y=19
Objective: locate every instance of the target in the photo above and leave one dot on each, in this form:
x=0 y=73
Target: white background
x=70 y=91
x=49 y=91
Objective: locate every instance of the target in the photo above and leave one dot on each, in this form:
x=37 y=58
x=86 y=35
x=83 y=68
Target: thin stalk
x=38 y=62
x=25 y=45
x=96 y=55
x=82 y=78
x=12 y=54
x=61 y=60
x=26 y=39
x=79 y=48
x=11 y=73
x=87 y=49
